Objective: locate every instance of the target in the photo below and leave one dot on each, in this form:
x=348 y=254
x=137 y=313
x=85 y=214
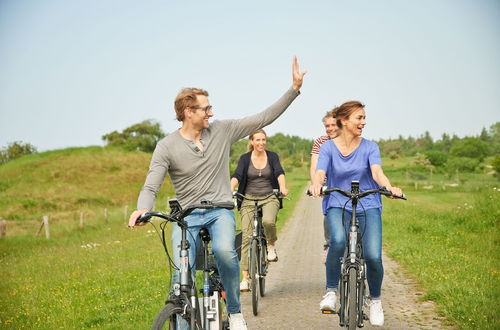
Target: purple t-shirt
x=341 y=170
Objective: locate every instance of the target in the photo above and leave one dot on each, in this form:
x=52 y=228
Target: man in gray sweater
x=196 y=157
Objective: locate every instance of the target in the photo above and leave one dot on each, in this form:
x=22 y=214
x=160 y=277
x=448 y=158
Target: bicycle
x=258 y=251
x=352 y=284
x=183 y=302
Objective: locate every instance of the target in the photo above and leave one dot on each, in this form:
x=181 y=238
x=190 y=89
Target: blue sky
x=72 y=71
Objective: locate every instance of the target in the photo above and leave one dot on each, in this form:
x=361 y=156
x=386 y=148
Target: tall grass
x=449 y=242
x=108 y=277
x=104 y=276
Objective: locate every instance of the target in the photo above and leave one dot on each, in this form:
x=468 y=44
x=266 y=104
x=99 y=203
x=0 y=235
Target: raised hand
x=297 y=75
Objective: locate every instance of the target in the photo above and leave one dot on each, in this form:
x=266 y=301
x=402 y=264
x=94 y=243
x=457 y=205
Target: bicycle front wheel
x=168 y=318
x=262 y=268
x=352 y=300
x=254 y=274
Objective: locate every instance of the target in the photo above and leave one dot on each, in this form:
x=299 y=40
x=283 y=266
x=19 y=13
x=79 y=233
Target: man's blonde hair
x=185 y=99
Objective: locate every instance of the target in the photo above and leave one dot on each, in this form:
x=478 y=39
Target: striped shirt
x=317 y=144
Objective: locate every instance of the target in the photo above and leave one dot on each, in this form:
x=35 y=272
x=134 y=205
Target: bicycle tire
x=254 y=273
x=223 y=317
x=352 y=300
x=166 y=318
x=262 y=268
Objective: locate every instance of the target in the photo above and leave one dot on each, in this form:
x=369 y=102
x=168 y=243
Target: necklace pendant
x=260 y=172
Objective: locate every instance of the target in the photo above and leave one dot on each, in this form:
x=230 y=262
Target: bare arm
x=314 y=163
x=317 y=183
x=240 y=128
x=382 y=180
x=282 y=184
x=234 y=183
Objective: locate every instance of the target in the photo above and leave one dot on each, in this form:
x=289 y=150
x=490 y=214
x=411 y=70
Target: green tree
x=484 y=136
x=494 y=134
x=470 y=147
x=462 y=164
x=496 y=165
x=142 y=136
x=15 y=150
x=436 y=157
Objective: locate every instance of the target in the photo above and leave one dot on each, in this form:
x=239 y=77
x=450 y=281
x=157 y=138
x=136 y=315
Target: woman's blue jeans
x=371 y=227
x=221 y=225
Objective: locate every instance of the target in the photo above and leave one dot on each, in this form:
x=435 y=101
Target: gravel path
x=295 y=284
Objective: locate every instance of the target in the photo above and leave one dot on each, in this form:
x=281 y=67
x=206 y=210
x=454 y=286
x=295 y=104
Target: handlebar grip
x=323 y=191
x=401 y=197
x=145 y=217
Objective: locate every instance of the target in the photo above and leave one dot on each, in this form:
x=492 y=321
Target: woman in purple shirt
x=343 y=159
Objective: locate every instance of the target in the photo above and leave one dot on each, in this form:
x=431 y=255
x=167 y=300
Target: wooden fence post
x=81 y=221
x=106 y=214
x=44 y=223
x=3 y=227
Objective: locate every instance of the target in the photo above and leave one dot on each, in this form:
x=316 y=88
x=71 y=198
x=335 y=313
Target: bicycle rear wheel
x=168 y=317
x=262 y=268
x=254 y=274
x=352 y=300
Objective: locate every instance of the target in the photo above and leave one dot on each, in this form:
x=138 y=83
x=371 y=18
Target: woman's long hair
x=250 y=138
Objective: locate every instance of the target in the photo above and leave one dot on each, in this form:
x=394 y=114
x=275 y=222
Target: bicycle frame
x=257 y=250
x=353 y=260
x=184 y=292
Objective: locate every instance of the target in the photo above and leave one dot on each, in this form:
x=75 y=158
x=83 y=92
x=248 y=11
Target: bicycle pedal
x=327 y=311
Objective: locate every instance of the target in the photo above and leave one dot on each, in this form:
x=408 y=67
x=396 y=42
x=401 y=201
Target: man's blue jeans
x=221 y=225
x=371 y=227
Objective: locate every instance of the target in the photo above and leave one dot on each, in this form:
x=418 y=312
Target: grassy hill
x=63 y=182
x=106 y=276
x=102 y=276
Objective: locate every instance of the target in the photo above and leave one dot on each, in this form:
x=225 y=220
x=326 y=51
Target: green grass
x=102 y=276
x=108 y=277
x=62 y=182
x=449 y=242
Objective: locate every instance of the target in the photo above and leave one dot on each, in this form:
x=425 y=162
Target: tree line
x=450 y=153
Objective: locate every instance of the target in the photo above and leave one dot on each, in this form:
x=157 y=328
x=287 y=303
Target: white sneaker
x=328 y=302
x=237 y=322
x=271 y=254
x=376 y=313
x=245 y=285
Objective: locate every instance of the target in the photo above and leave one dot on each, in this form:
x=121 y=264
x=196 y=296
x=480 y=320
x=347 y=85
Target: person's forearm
x=380 y=178
x=234 y=183
x=282 y=182
x=319 y=177
x=314 y=164
x=248 y=125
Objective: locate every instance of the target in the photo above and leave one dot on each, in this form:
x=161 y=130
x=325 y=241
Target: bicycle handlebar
x=275 y=192
x=177 y=215
x=383 y=191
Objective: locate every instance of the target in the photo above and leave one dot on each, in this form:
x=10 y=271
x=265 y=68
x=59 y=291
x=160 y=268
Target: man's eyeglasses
x=207 y=109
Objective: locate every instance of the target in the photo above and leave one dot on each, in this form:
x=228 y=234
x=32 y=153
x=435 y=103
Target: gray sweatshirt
x=204 y=175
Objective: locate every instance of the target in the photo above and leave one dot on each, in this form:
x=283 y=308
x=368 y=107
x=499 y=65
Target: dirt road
x=295 y=284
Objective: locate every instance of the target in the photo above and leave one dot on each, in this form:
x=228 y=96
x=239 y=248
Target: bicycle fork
x=210 y=301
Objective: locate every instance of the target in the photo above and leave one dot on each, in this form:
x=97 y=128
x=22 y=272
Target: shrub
x=436 y=158
x=142 y=136
x=462 y=164
x=15 y=150
x=471 y=148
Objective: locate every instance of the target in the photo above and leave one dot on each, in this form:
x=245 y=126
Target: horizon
x=75 y=71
